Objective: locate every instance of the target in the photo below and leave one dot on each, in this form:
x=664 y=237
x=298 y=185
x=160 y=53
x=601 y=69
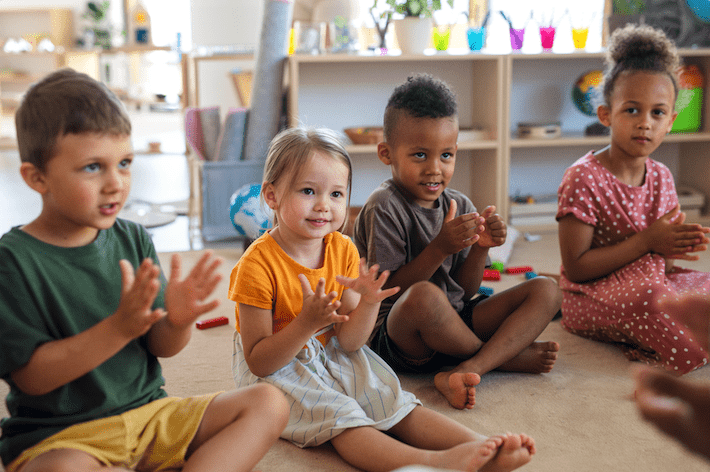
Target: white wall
x=224 y=23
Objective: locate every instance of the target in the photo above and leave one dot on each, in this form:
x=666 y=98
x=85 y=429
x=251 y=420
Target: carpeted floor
x=581 y=414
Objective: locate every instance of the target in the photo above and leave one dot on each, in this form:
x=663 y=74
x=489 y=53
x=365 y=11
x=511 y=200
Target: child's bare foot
x=516 y=450
x=470 y=456
x=458 y=388
x=537 y=358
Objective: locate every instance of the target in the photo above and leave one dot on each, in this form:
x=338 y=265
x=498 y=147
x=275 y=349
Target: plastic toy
x=497 y=265
x=518 y=270
x=482 y=290
x=689 y=103
x=211 y=323
x=491 y=274
x=530 y=275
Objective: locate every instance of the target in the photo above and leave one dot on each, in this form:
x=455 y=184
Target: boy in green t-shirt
x=86 y=312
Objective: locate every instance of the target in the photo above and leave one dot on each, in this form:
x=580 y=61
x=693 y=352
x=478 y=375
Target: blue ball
x=249 y=216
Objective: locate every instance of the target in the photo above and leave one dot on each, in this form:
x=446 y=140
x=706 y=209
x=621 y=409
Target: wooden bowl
x=365 y=134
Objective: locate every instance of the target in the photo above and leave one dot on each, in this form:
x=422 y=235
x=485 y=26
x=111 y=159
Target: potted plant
x=414 y=30
x=98 y=32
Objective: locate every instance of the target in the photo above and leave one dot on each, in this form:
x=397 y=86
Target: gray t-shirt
x=391 y=231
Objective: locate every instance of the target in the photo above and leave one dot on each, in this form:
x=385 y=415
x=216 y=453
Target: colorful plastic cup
x=547 y=37
x=441 y=39
x=579 y=37
x=476 y=38
x=516 y=38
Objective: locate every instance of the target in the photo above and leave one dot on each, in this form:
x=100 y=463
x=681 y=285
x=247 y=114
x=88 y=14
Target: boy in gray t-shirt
x=436 y=244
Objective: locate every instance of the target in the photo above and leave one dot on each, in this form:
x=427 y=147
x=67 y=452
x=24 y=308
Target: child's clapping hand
x=368 y=284
x=458 y=232
x=183 y=298
x=319 y=308
x=495 y=230
x=138 y=291
x=671 y=237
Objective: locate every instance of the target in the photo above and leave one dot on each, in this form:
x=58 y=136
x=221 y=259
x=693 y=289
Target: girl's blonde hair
x=290 y=150
x=639 y=48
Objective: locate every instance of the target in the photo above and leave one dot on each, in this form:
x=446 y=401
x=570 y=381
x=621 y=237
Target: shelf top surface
x=463 y=55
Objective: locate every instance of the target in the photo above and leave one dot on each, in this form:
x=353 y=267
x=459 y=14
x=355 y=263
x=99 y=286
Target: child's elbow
x=576 y=276
x=30 y=386
x=258 y=369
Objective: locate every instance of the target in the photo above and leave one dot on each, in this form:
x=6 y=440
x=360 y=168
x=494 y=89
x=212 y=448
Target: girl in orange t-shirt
x=306 y=305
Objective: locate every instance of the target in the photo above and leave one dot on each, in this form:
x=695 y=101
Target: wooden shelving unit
x=494 y=91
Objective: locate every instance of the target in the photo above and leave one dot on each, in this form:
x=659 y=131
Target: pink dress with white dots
x=622 y=307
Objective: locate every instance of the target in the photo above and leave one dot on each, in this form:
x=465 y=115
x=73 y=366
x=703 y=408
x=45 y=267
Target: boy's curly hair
x=65 y=102
x=639 y=48
x=421 y=96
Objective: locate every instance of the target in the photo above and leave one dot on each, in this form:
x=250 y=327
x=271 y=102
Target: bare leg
x=66 y=459
x=678 y=407
x=374 y=451
x=238 y=428
x=509 y=323
x=505 y=327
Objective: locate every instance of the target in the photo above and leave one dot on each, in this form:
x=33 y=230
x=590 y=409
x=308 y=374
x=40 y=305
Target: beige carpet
x=581 y=414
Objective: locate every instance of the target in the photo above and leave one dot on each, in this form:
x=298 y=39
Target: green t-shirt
x=49 y=293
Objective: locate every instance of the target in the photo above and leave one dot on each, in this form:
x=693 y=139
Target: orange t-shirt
x=266 y=277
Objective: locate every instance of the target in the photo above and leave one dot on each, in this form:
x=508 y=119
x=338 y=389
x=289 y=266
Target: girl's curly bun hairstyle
x=639 y=48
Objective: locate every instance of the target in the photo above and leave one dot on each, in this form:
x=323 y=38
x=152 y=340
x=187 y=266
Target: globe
x=248 y=215
x=584 y=91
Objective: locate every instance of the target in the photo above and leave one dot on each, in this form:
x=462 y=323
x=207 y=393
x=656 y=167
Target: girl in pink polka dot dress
x=620 y=223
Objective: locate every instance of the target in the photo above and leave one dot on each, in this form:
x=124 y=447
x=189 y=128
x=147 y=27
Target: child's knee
x=547 y=288
x=270 y=396
x=422 y=298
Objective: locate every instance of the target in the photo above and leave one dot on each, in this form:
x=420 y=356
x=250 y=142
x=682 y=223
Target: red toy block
x=518 y=270
x=491 y=274
x=211 y=323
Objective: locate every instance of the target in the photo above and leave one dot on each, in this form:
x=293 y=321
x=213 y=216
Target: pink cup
x=547 y=37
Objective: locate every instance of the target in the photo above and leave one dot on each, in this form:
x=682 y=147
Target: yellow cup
x=579 y=37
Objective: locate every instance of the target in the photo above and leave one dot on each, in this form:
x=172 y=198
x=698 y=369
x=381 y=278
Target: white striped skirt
x=331 y=390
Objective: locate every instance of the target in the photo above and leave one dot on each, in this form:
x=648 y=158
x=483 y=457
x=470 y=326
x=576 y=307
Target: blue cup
x=476 y=38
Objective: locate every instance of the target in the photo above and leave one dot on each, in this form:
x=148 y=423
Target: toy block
x=491 y=274
x=211 y=323
x=530 y=275
x=485 y=290
x=518 y=270
x=497 y=265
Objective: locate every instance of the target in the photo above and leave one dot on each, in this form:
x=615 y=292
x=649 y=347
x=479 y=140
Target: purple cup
x=516 y=38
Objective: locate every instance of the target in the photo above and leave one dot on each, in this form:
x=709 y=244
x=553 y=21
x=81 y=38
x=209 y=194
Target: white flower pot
x=413 y=34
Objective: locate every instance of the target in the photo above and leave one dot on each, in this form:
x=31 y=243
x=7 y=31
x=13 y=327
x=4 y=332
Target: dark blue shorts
x=402 y=363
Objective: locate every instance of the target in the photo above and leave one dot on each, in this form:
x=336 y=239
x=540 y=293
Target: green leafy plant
x=629 y=7
x=423 y=8
x=97 y=12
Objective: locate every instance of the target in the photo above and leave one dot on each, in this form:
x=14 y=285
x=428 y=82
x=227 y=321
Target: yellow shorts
x=152 y=437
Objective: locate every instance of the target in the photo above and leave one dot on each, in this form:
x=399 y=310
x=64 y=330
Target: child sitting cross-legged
x=435 y=244
x=86 y=312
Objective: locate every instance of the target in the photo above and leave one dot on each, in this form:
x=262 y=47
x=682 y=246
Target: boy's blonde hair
x=65 y=102
x=292 y=147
